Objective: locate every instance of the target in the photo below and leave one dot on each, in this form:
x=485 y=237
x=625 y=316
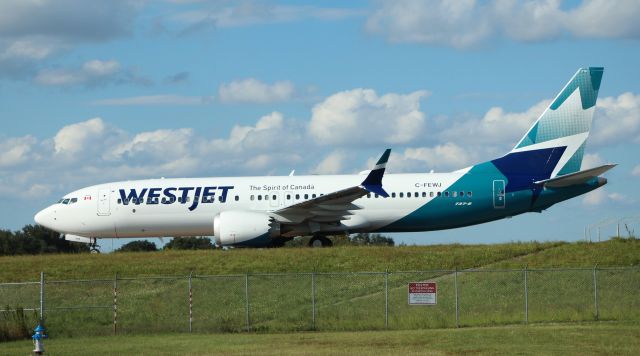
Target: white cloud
x=33 y=31
x=595 y=197
x=591 y=160
x=601 y=196
x=469 y=23
x=496 y=126
x=361 y=116
x=161 y=99
x=617 y=120
x=331 y=164
x=75 y=138
x=444 y=157
x=90 y=73
x=636 y=171
x=15 y=150
x=155 y=146
x=249 y=13
x=254 y=91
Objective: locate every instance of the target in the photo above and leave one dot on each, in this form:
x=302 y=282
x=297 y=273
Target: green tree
x=138 y=246
x=189 y=243
x=36 y=239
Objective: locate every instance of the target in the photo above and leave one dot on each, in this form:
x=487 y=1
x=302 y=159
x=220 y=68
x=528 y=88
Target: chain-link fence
x=322 y=301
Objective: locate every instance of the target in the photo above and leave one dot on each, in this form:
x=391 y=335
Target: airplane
x=544 y=168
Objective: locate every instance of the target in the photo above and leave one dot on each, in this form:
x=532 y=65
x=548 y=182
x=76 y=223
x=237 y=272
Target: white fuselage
x=101 y=211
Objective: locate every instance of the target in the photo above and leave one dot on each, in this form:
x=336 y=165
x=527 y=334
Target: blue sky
x=92 y=92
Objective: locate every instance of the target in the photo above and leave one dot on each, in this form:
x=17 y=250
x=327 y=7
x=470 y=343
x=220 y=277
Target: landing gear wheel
x=320 y=241
x=93 y=246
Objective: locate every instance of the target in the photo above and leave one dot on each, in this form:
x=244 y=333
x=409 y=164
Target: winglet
x=373 y=182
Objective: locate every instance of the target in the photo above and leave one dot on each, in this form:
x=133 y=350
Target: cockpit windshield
x=67 y=201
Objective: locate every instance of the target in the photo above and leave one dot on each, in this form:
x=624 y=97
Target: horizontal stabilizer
x=575 y=178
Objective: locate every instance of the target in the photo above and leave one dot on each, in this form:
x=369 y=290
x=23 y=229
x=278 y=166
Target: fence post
x=526 y=295
x=595 y=291
x=455 y=285
x=41 y=298
x=246 y=296
x=115 y=304
x=190 y=302
x=386 y=299
x=313 y=300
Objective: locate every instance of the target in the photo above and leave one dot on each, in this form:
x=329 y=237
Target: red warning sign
x=423 y=293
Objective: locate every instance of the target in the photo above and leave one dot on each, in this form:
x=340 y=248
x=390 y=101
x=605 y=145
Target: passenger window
x=408 y=194
x=375 y=195
x=454 y=194
x=266 y=197
x=297 y=196
x=288 y=196
x=424 y=194
x=393 y=195
x=368 y=195
x=119 y=201
x=446 y=194
x=469 y=194
x=306 y=196
x=431 y=194
x=259 y=197
x=313 y=196
x=401 y=195
x=439 y=194
x=461 y=194
x=416 y=194
x=237 y=198
x=273 y=197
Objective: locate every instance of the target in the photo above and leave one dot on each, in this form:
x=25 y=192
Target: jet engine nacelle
x=244 y=228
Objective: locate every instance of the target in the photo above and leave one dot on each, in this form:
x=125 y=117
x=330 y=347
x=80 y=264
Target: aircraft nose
x=38 y=218
x=41 y=218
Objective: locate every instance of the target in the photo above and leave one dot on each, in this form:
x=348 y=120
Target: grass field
x=337 y=259
x=340 y=300
x=551 y=339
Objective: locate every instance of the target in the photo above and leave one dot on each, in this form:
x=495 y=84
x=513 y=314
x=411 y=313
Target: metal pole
x=595 y=291
x=42 y=298
x=313 y=300
x=455 y=285
x=526 y=296
x=115 y=304
x=246 y=296
x=386 y=299
x=618 y=229
x=598 y=234
x=190 y=303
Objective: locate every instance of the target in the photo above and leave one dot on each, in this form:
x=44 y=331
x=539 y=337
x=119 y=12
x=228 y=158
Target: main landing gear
x=320 y=241
x=93 y=245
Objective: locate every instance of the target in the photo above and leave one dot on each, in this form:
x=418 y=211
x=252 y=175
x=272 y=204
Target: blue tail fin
x=566 y=122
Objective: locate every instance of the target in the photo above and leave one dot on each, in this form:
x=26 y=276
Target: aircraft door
x=499 y=195
x=104 y=197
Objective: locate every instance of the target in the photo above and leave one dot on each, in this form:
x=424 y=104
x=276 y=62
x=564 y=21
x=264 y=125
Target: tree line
x=36 y=239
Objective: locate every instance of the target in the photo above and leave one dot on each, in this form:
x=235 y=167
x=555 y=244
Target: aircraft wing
x=575 y=178
x=336 y=206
